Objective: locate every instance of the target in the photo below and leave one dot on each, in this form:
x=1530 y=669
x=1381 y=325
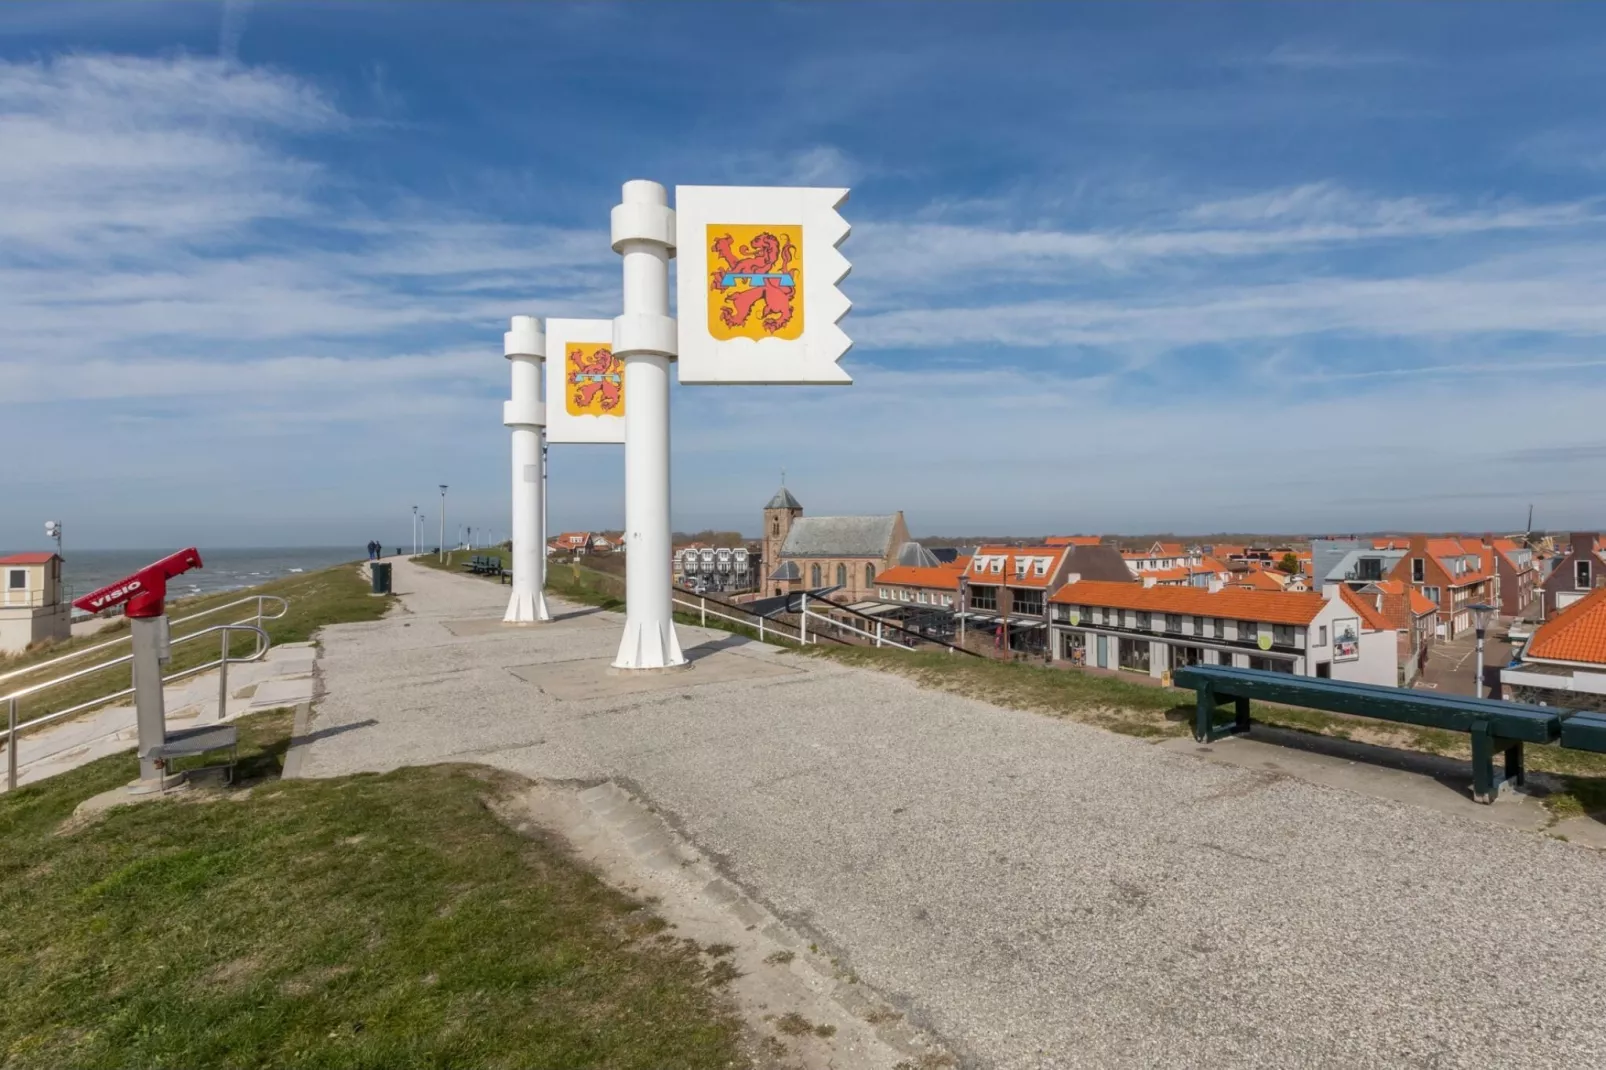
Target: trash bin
x=381 y=571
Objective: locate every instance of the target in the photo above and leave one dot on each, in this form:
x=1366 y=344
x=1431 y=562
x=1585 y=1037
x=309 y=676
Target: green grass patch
x=329 y=596
x=364 y=922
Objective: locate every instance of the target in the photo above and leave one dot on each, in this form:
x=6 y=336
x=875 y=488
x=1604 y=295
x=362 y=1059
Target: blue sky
x=1117 y=268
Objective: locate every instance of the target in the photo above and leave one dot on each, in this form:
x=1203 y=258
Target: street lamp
x=415 y=531
x=1481 y=611
x=440 y=551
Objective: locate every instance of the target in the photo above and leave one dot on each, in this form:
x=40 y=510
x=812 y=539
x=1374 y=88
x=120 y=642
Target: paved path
x=284 y=677
x=1040 y=893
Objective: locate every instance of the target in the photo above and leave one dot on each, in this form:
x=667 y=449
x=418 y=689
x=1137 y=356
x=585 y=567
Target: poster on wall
x=585 y=382
x=757 y=291
x=1346 y=639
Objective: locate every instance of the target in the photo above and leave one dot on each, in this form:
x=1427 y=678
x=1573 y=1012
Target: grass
x=329 y=596
x=365 y=922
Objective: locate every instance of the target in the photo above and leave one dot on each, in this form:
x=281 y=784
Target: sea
x=222 y=569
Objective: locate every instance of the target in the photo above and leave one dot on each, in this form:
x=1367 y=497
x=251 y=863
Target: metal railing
x=257 y=618
x=15 y=729
x=885 y=633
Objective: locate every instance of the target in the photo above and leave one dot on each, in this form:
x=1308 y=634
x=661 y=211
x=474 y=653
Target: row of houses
x=1083 y=606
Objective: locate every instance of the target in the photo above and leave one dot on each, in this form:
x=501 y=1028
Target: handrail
x=14 y=729
x=259 y=617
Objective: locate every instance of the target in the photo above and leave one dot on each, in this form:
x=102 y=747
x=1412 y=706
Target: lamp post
x=1481 y=612
x=415 y=531
x=440 y=551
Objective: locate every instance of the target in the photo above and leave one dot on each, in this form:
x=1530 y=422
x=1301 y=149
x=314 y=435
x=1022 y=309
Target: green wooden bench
x=1585 y=730
x=483 y=565
x=1492 y=724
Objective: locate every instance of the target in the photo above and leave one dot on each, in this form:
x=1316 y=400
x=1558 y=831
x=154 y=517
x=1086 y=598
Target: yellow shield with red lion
x=594 y=380
x=755 y=281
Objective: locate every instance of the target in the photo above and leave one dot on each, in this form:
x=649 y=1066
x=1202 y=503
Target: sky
x=1116 y=268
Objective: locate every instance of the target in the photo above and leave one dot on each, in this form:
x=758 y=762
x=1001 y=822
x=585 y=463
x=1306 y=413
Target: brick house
x=1452 y=574
x=1577 y=570
x=1006 y=587
x=1517 y=576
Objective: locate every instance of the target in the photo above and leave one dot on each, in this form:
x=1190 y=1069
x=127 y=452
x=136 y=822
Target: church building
x=807 y=553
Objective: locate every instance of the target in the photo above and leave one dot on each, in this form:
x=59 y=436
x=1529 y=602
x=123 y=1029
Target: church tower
x=778 y=517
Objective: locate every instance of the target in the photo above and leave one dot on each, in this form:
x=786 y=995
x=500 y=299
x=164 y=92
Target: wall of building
x=19 y=628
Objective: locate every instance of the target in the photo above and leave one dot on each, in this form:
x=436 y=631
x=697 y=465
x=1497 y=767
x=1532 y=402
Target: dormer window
x=1042 y=566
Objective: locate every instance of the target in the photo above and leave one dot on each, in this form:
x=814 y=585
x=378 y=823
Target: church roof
x=840 y=536
x=788 y=571
x=783 y=500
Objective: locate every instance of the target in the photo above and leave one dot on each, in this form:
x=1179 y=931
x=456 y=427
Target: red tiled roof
x=1369 y=612
x=1270 y=607
x=1072 y=540
x=1577 y=633
x=940 y=576
x=35 y=558
x=1009 y=577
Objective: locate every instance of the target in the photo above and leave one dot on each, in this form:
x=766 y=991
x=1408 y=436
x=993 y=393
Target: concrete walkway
x=1039 y=893
x=283 y=678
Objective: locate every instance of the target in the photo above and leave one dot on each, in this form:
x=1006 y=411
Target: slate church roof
x=840 y=536
x=783 y=500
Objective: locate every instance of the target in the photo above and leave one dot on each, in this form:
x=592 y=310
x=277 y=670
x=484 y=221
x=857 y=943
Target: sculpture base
x=526 y=607
x=649 y=645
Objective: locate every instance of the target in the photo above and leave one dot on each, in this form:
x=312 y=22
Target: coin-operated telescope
x=143 y=597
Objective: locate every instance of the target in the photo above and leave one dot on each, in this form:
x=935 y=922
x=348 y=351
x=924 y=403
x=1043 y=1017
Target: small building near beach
x=33 y=606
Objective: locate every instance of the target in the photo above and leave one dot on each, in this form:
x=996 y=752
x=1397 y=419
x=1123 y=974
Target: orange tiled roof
x=1169 y=575
x=37 y=558
x=1421 y=604
x=1072 y=540
x=1266 y=606
x=1577 y=633
x=1258 y=580
x=1010 y=577
x=1373 y=618
x=940 y=576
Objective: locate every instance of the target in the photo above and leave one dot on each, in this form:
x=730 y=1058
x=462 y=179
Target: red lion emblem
x=600 y=373
x=764 y=264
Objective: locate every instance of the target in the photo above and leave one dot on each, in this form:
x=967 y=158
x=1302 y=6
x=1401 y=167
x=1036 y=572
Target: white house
x=1152 y=630
x=32 y=603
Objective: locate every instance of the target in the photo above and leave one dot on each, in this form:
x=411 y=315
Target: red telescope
x=145 y=591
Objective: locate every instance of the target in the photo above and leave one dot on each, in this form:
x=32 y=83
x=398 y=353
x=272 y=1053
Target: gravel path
x=1039 y=893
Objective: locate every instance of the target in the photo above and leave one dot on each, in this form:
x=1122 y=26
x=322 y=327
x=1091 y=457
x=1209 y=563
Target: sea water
x=223 y=570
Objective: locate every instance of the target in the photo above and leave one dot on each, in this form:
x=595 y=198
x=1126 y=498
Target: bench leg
x=1204 y=715
x=1484 y=785
x=1240 y=714
x=1516 y=768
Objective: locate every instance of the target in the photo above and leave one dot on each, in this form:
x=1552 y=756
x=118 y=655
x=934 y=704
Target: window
x=998 y=564
x=947 y=599
x=1027 y=603
x=1321 y=636
x=984 y=598
x=1431 y=594
x=1173 y=622
x=17 y=579
x=1248 y=631
x=1417 y=574
x=1271 y=664
x=814 y=575
x=1133 y=654
x=1042 y=566
x=1583 y=575
x=1371 y=568
x=1282 y=634
x=841 y=575
x=775 y=526
x=882 y=592
x=1143 y=619
x=922 y=597
x=869 y=575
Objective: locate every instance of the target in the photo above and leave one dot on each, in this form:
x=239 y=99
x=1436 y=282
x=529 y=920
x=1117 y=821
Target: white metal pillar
x=525 y=348
x=643 y=232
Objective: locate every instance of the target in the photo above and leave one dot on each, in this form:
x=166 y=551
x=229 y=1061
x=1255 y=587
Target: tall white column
x=643 y=230
x=525 y=348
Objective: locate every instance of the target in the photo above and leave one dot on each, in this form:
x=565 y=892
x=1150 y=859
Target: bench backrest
x=1512 y=720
